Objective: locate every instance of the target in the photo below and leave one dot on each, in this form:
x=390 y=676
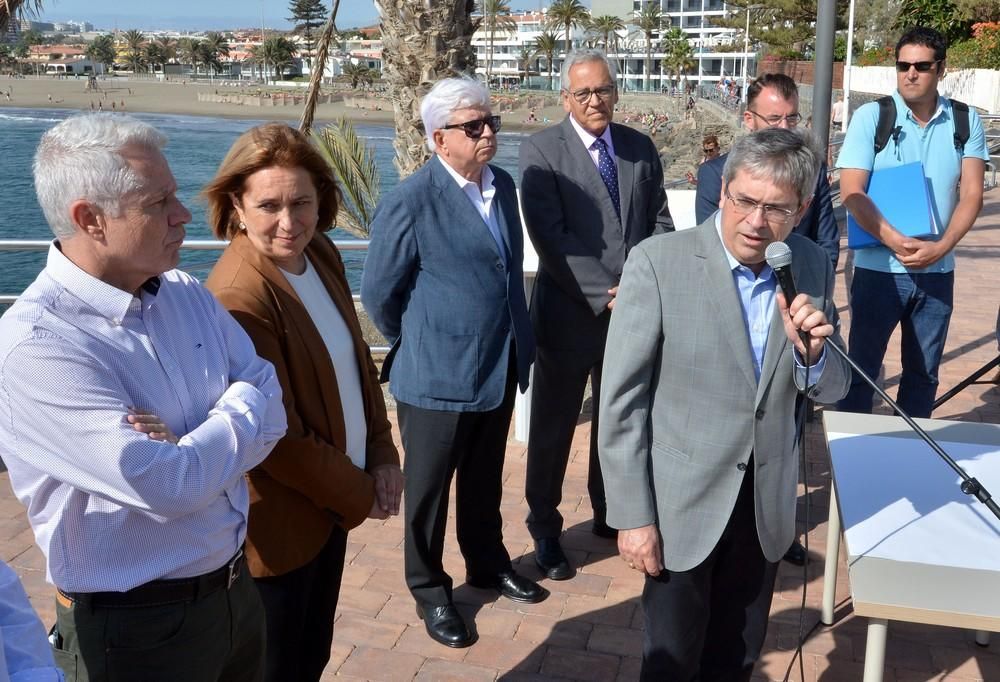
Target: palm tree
x=134 y=43
x=648 y=19
x=679 y=57
x=153 y=55
x=607 y=26
x=161 y=51
x=353 y=164
x=529 y=51
x=359 y=74
x=213 y=49
x=101 y=50
x=422 y=42
x=546 y=44
x=278 y=51
x=188 y=53
x=496 y=19
x=567 y=14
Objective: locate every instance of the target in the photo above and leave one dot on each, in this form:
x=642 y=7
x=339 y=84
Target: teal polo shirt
x=934 y=145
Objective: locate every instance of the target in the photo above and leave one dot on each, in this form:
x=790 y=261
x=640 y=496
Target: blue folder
x=901 y=194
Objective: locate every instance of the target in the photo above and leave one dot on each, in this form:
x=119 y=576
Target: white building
x=507 y=63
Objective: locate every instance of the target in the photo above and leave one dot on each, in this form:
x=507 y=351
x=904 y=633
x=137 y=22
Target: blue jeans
x=921 y=304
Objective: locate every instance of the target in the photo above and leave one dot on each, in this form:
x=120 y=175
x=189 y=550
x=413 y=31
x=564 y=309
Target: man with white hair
x=131 y=405
x=443 y=283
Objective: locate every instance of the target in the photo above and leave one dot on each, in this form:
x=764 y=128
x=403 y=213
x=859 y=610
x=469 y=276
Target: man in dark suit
x=590 y=190
x=443 y=283
x=697 y=444
x=773 y=102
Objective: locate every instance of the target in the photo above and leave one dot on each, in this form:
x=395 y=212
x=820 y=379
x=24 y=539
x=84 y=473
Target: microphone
x=779 y=257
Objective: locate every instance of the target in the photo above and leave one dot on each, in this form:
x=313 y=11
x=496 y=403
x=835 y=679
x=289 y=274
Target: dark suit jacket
x=308 y=483
x=817 y=224
x=437 y=288
x=580 y=240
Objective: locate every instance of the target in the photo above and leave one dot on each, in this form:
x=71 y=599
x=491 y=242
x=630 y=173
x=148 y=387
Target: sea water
x=196 y=146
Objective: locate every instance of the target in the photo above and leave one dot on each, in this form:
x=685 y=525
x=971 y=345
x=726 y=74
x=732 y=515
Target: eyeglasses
x=710 y=150
x=774 y=215
x=772 y=121
x=583 y=96
x=921 y=67
x=474 y=129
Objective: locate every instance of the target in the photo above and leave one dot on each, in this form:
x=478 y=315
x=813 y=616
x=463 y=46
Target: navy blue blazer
x=817 y=224
x=437 y=288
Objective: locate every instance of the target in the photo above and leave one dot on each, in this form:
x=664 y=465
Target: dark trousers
x=558 y=384
x=708 y=623
x=216 y=638
x=470 y=446
x=299 y=608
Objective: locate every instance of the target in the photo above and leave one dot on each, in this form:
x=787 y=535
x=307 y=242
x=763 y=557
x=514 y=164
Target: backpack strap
x=960 y=113
x=886 y=122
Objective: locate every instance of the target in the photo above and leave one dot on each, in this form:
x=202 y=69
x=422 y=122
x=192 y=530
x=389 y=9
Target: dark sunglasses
x=474 y=129
x=709 y=150
x=921 y=67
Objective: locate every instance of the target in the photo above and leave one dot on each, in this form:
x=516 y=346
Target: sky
x=211 y=15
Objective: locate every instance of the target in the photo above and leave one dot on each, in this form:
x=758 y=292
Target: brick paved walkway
x=590 y=627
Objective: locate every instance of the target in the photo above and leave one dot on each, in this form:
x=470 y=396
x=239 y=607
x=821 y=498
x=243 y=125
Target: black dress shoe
x=511 y=585
x=796 y=554
x=445 y=625
x=603 y=530
x=551 y=560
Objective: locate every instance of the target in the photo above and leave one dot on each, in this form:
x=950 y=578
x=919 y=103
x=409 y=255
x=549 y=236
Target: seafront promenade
x=590 y=626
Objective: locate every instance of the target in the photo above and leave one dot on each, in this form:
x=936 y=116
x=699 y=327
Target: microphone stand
x=969 y=485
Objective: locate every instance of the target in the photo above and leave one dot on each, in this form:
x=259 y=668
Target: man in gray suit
x=697 y=440
x=590 y=190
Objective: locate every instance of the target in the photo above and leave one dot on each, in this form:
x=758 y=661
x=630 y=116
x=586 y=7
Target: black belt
x=164 y=592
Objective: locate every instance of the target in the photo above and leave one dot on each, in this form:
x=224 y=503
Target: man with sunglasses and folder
x=904 y=280
x=443 y=283
x=590 y=190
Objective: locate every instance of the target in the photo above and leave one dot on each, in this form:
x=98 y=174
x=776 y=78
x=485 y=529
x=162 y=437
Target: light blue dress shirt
x=111 y=508
x=25 y=654
x=757 y=300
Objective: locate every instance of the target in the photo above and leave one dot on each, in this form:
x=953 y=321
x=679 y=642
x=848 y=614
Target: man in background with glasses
x=905 y=281
x=773 y=102
x=590 y=190
x=697 y=431
x=443 y=283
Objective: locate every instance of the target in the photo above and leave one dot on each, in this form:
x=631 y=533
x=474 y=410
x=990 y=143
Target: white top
x=340 y=345
x=481 y=196
x=110 y=507
x=588 y=140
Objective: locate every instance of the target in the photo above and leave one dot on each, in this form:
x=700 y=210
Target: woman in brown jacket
x=283 y=280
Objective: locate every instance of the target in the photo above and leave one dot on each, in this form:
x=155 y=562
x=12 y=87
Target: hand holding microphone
x=805 y=325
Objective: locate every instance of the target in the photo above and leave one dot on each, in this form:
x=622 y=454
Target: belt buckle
x=234 y=568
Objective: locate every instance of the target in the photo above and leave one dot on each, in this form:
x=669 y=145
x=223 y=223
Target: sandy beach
x=181 y=97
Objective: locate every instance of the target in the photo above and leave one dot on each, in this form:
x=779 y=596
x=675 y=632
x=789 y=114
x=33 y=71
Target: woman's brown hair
x=267 y=146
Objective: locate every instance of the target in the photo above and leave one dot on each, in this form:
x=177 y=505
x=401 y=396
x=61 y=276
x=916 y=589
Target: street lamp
x=848 y=67
x=746 y=49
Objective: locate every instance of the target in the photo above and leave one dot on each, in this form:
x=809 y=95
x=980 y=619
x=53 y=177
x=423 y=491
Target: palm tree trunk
x=422 y=42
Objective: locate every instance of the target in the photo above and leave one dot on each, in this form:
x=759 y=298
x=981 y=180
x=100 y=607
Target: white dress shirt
x=588 y=140
x=111 y=508
x=340 y=345
x=25 y=654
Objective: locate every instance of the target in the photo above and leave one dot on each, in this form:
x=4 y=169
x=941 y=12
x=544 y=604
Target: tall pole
x=848 y=67
x=262 y=53
x=826 y=23
x=746 y=48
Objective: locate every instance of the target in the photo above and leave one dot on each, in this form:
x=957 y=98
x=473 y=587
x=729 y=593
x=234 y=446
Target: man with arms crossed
x=906 y=281
x=698 y=438
x=590 y=190
x=131 y=405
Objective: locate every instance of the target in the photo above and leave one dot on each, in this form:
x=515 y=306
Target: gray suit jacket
x=581 y=243
x=681 y=410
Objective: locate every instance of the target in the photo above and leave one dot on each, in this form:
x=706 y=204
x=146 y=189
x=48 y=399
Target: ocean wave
x=15 y=117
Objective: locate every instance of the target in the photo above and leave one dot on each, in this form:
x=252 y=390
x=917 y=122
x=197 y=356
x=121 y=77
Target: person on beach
x=131 y=406
x=443 y=283
x=591 y=190
x=274 y=198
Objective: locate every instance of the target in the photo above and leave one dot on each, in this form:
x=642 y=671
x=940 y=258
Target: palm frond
x=12 y=8
x=353 y=164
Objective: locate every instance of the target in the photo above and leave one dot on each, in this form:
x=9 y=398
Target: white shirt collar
x=485 y=181
x=110 y=302
x=588 y=139
x=765 y=273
